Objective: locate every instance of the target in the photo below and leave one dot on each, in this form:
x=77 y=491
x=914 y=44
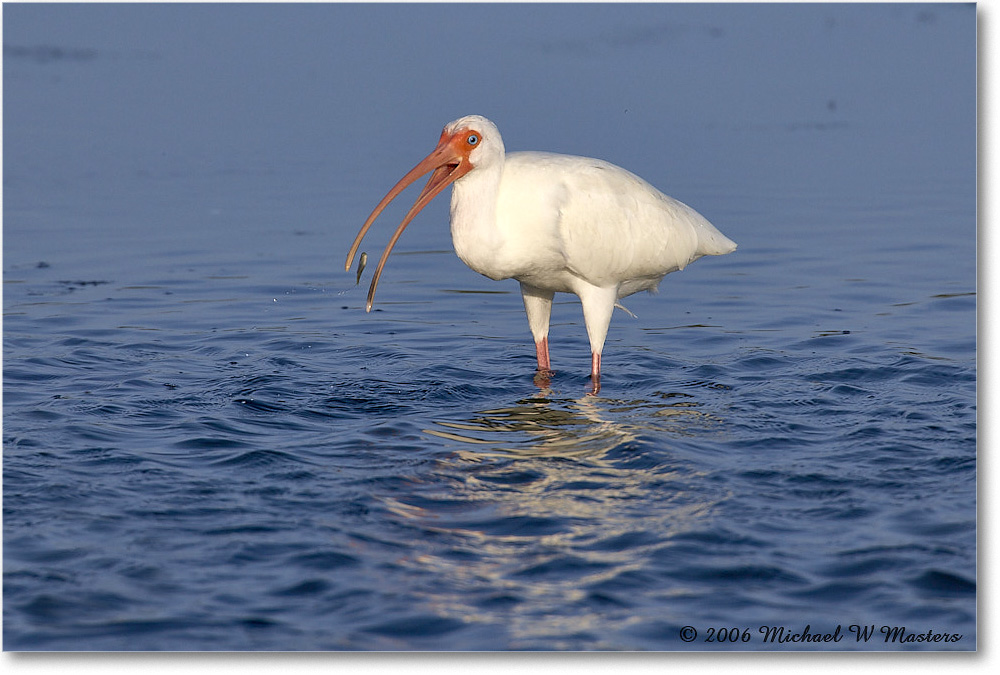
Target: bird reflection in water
x=588 y=426
x=555 y=503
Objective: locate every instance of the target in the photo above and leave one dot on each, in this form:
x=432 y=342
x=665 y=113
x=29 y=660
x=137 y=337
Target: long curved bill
x=449 y=162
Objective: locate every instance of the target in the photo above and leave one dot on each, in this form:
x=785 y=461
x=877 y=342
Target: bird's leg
x=598 y=304
x=538 y=306
x=543 y=375
x=542 y=352
x=595 y=372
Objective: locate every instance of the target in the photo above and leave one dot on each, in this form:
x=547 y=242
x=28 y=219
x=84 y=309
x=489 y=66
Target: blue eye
x=472 y=139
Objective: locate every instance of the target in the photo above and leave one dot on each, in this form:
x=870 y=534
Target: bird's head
x=468 y=143
x=475 y=140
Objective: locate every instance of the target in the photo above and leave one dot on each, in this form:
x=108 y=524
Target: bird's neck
x=474 y=232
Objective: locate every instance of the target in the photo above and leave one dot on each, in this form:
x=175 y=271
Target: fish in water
x=362 y=261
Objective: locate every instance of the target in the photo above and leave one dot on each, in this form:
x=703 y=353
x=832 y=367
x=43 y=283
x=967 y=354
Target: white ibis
x=556 y=223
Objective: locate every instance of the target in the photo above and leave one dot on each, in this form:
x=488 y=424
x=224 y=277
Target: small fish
x=362 y=261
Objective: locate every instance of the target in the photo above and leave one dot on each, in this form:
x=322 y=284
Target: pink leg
x=542 y=352
x=595 y=372
x=544 y=373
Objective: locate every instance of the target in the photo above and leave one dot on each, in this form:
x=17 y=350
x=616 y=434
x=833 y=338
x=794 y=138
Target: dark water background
x=209 y=445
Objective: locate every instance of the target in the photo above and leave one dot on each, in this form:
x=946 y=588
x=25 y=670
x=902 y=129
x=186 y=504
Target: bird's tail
x=713 y=242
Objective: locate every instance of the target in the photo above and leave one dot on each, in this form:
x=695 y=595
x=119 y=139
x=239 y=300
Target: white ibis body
x=556 y=223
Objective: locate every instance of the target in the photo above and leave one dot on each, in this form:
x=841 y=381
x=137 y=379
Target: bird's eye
x=472 y=139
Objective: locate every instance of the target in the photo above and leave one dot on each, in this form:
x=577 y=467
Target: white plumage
x=556 y=223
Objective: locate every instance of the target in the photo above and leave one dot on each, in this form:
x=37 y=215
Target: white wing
x=608 y=225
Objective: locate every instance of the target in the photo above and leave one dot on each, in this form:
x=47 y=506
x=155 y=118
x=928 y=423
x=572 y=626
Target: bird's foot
x=595 y=385
x=543 y=378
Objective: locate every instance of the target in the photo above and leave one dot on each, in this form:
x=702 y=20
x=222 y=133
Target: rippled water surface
x=208 y=444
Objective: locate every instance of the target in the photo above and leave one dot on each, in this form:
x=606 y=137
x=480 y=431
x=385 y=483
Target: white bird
x=556 y=223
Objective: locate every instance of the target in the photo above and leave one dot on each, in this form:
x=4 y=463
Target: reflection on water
x=585 y=427
x=557 y=502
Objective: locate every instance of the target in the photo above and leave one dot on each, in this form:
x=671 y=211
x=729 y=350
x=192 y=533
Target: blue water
x=208 y=444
